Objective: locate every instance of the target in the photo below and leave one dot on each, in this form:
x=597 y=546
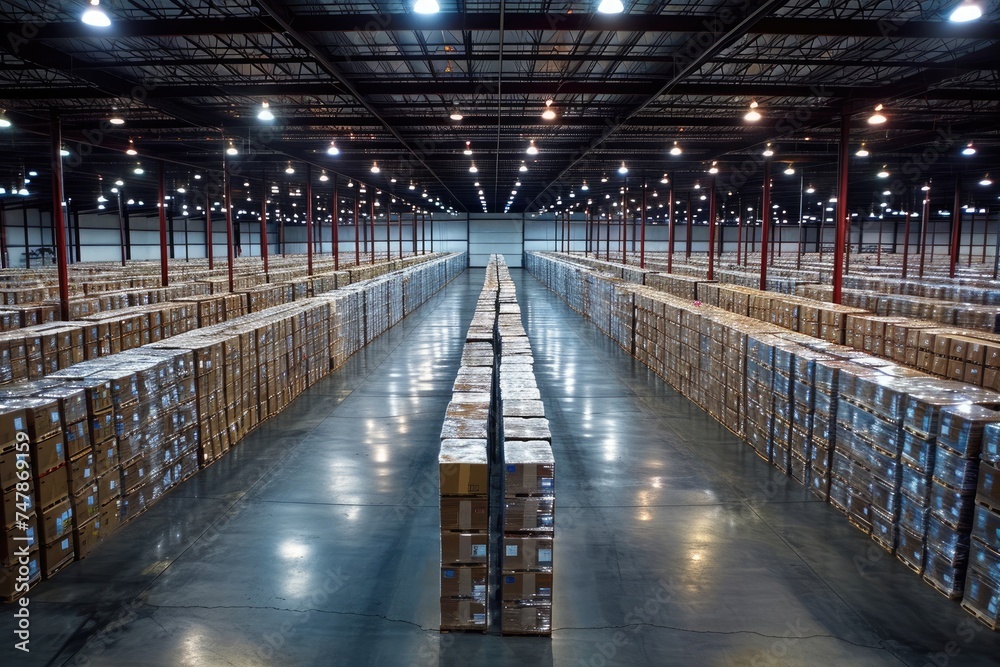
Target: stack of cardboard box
x=19 y=539
x=982 y=583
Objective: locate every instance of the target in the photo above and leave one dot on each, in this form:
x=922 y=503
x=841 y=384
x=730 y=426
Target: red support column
x=371 y=224
x=228 y=202
x=59 y=215
x=4 y=261
x=162 y=190
x=739 y=230
x=263 y=225
x=357 y=230
x=956 y=226
x=690 y=229
x=423 y=233
x=208 y=235
x=399 y=226
x=925 y=219
x=642 y=230
x=906 y=244
x=414 y=233
x=671 y=227
x=711 y=229
x=843 y=214
x=765 y=229
x=310 y=241
x=624 y=219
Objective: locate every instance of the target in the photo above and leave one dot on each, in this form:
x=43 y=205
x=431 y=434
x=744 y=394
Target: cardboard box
x=8 y=577
x=48 y=453
x=521 y=586
x=110 y=518
x=86 y=503
x=106 y=456
x=102 y=426
x=529 y=468
x=85 y=537
x=526 y=619
x=988 y=492
x=109 y=487
x=464 y=514
x=56 y=554
x=13 y=540
x=527 y=553
x=529 y=514
x=464 y=548
x=463 y=468
x=42 y=416
x=464 y=582
x=12 y=420
x=9 y=468
x=82 y=471
x=56 y=521
x=462 y=614
x=77 y=438
x=52 y=487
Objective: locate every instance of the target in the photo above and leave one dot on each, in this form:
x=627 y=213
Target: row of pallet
x=96 y=444
x=912 y=460
x=497 y=477
x=33 y=351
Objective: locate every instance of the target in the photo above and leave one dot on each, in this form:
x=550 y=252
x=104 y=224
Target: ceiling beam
x=490 y=22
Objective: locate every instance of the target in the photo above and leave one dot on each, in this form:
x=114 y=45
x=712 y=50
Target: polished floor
x=315 y=541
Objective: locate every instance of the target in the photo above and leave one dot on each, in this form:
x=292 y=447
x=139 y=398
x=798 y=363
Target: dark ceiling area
x=381 y=81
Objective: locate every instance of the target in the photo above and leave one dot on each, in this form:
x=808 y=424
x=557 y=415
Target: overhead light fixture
x=675 y=149
x=753 y=115
x=714 y=169
x=965 y=11
x=131 y=148
x=925 y=188
x=289 y=169
x=120 y=183
x=333 y=150
x=623 y=169
x=969 y=149
x=789 y=170
x=611 y=7
x=884 y=173
x=116 y=118
x=350 y=184
x=986 y=180
x=664 y=180
x=810 y=189
x=468 y=148
x=697 y=185
x=583 y=187
x=265 y=112
x=532 y=148
x=323 y=177
x=412 y=186
x=138 y=169
x=95 y=16
x=768 y=151
x=63 y=152
x=4 y=121
x=876 y=118
x=549 y=113
x=862 y=151
x=456 y=112
x=473 y=169
x=426 y=7
x=232 y=149
x=375 y=168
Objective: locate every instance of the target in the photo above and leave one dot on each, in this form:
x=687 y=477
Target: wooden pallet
x=951 y=595
x=991 y=623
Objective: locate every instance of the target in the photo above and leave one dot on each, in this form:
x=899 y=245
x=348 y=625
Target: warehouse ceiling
x=382 y=82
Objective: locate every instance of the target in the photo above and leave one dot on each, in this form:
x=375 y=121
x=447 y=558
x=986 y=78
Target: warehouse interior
x=430 y=332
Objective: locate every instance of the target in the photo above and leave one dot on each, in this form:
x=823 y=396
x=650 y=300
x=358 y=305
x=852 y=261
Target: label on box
x=546 y=482
x=479 y=590
x=479 y=618
x=544 y=555
x=478 y=550
x=511 y=469
x=55 y=416
x=449 y=574
x=65 y=544
x=18 y=424
x=544 y=591
x=509 y=579
x=511 y=549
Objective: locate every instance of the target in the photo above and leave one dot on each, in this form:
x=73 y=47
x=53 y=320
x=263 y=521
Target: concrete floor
x=315 y=541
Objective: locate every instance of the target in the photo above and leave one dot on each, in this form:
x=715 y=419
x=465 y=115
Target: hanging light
x=549 y=113
x=697 y=185
x=969 y=149
x=753 y=115
x=473 y=169
x=131 y=148
x=675 y=149
x=862 y=151
x=116 y=118
x=876 y=118
x=925 y=188
x=375 y=168
x=965 y=11
x=4 y=121
x=884 y=173
x=810 y=189
x=789 y=170
x=456 y=112
x=333 y=150
x=232 y=149
x=768 y=151
x=289 y=169
x=426 y=7
x=138 y=169
x=986 y=180
x=583 y=187
x=265 y=112
x=665 y=179
x=323 y=177
x=350 y=184
x=532 y=148
x=95 y=16
x=714 y=169
x=468 y=148
x=63 y=152
x=523 y=167
x=623 y=169
x=611 y=7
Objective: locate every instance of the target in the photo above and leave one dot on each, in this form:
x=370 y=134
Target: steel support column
x=956 y=226
x=642 y=230
x=711 y=229
x=263 y=227
x=310 y=241
x=765 y=216
x=227 y=190
x=58 y=214
x=843 y=214
x=162 y=199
